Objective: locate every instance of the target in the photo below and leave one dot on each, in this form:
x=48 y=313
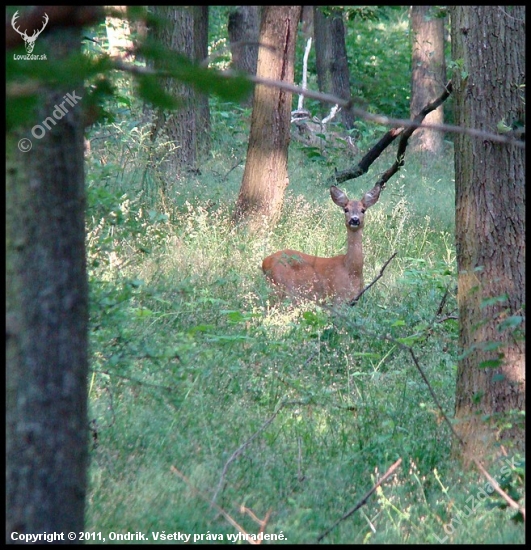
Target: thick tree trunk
x=428 y=75
x=183 y=30
x=47 y=316
x=201 y=53
x=490 y=226
x=244 y=31
x=244 y=34
x=333 y=75
x=266 y=176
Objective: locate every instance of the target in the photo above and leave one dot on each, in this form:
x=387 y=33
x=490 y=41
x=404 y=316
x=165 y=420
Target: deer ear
x=371 y=197
x=338 y=196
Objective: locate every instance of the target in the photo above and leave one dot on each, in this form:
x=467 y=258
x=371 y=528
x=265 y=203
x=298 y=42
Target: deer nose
x=354 y=221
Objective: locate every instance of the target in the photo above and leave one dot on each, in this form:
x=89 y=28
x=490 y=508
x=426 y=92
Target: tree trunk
x=307 y=22
x=200 y=15
x=184 y=33
x=118 y=33
x=489 y=42
x=244 y=33
x=428 y=75
x=333 y=75
x=265 y=176
x=47 y=315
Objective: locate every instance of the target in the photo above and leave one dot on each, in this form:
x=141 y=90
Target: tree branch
x=354 y=300
x=369 y=158
x=363 y=501
x=80 y=16
x=218 y=508
x=499 y=490
x=406 y=134
x=385 y=121
x=241 y=448
x=376 y=151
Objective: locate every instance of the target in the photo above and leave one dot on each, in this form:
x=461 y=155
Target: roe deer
x=339 y=278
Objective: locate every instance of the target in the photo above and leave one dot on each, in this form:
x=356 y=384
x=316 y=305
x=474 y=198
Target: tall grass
x=193 y=355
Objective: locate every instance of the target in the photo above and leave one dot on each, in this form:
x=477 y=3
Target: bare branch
x=375 y=152
x=369 y=158
x=430 y=389
x=363 y=501
x=333 y=112
x=409 y=349
x=218 y=508
x=443 y=302
x=498 y=489
x=398 y=123
x=67 y=17
x=252 y=515
x=385 y=121
x=242 y=447
x=354 y=300
x=305 y=72
x=406 y=134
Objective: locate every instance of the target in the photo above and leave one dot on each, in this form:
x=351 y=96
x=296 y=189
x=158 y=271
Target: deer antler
x=13 y=19
x=29 y=40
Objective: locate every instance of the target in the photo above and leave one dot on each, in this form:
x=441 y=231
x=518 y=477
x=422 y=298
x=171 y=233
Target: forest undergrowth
x=213 y=401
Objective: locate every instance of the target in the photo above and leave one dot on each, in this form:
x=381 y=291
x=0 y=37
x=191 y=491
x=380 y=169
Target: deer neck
x=354 y=255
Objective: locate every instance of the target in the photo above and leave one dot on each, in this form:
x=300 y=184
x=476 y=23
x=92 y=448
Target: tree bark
x=307 y=22
x=200 y=15
x=489 y=44
x=244 y=30
x=185 y=32
x=47 y=315
x=428 y=75
x=244 y=34
x=333 y=75
x=265 y=176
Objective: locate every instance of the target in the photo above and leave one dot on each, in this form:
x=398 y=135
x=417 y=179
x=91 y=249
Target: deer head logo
x=29 y=41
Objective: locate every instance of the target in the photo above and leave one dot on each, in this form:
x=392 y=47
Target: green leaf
x=20 y=110
x=142 y=312
x=490 y=364
x=511 y=322
x=367 y=354
x=477 y=397
x=493 y=300
x=235 y=316
x=200 y=328
x=229 y=339
x=518 y=518
x=409 y=340
x=209 y=81
x=150 y=90
x=314 y=319
x=490 y=346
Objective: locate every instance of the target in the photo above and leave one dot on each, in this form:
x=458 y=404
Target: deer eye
x=363 y=210
x=346 y=210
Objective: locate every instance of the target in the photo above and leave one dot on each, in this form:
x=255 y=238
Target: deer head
x=29 y=41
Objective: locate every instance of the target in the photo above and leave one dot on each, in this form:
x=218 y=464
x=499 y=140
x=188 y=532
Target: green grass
x=192 y=354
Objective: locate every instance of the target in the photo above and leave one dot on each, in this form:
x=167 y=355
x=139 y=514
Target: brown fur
x=339 y=278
